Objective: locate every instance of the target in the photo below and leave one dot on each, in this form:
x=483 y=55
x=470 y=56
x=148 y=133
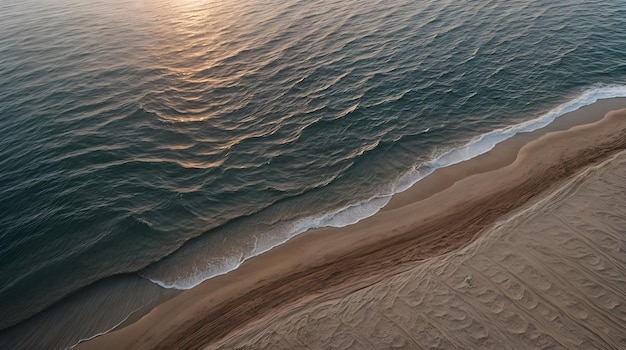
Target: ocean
x=146 y=146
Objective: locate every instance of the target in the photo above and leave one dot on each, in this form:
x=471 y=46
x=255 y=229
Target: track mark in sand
x=542 y=280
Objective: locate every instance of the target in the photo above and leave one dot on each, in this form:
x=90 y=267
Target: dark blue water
x=165 y=142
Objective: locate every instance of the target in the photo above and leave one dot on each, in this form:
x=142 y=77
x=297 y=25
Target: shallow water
x=168 y=141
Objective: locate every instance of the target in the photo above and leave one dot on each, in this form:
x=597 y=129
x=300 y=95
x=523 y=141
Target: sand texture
x=552 y=277
x=486 y=262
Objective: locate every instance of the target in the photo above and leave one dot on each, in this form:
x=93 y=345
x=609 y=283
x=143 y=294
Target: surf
x=211 y=255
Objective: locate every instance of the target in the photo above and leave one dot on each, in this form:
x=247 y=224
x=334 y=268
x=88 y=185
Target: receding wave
x=225 y=249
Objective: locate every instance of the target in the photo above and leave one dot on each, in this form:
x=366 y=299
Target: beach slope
x=499 y=256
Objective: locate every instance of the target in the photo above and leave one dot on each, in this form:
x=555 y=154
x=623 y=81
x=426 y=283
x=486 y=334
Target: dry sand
x=484 y=262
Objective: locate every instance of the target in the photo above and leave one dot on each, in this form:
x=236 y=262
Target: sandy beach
x=522 y=247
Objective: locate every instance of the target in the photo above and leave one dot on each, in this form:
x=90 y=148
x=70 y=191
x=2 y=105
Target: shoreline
x=331 y=261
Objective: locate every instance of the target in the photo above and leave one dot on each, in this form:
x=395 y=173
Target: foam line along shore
x=206 y=258
x=332 y=262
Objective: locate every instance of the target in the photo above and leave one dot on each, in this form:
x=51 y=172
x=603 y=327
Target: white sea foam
x=484 y=143
x=194 y=264
x=354 y=213
x=219 y=261
x=202 y=269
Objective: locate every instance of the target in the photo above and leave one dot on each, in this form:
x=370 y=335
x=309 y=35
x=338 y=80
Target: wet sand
x=443 y=265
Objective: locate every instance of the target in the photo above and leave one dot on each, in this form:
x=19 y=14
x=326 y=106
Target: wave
x=218 y=252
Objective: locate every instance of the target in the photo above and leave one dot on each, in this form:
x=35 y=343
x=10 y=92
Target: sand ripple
x=551 y=277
